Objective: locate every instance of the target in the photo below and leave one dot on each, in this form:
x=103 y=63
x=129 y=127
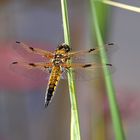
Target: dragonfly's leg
x=49 y=70
x=62 y=69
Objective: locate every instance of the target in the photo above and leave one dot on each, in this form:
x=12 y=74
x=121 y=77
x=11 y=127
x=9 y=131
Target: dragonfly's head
x=64 y=47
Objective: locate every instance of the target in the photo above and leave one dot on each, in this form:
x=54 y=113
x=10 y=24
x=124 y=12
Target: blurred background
x=38 y=23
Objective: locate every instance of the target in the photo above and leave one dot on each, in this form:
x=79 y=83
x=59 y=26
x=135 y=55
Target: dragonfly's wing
x=85 y=66
x=21 y=47
x=87 y=71
x=35 y=71
x=39 y=65
x=77 y=55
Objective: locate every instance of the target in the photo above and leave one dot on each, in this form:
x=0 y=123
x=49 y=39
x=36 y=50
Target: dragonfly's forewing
x=93 y=53
x=27 y=51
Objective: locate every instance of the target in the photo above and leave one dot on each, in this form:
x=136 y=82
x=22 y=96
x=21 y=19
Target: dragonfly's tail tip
x=46 y=104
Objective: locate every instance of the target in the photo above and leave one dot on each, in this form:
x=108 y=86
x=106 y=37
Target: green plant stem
x=115 y=114
x=75 y=126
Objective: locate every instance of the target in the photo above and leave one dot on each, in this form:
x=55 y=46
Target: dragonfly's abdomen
x=53 y=81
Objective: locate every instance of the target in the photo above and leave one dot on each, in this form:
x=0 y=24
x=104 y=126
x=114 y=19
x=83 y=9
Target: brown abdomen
x=53 y=81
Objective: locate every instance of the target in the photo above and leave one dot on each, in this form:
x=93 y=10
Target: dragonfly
x=57 y=63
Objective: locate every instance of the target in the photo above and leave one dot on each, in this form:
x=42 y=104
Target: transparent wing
x=22 y=49
x=34 y=71
x=87 y=71
x=85 y=66
x=80 y=56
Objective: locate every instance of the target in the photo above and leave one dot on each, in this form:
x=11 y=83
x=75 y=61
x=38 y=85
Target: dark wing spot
x=87 y=65
x=110 y=43
x=31 y=48
x=91 y=50
x=14 y=62
x=46 y=67
x=109 y=64
x=32 y=64
x=18 y=42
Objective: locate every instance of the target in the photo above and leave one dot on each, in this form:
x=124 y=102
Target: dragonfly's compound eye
x=64 y=46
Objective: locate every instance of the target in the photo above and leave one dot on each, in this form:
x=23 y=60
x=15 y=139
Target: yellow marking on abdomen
x=53 y=81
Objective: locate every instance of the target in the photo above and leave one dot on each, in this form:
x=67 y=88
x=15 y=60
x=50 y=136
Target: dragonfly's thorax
x=59 y=59
x=57 y=62
x=61 y=54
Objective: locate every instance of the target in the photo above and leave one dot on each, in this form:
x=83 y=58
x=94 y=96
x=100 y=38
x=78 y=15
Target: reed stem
x=75 y=126
x=115 y=114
